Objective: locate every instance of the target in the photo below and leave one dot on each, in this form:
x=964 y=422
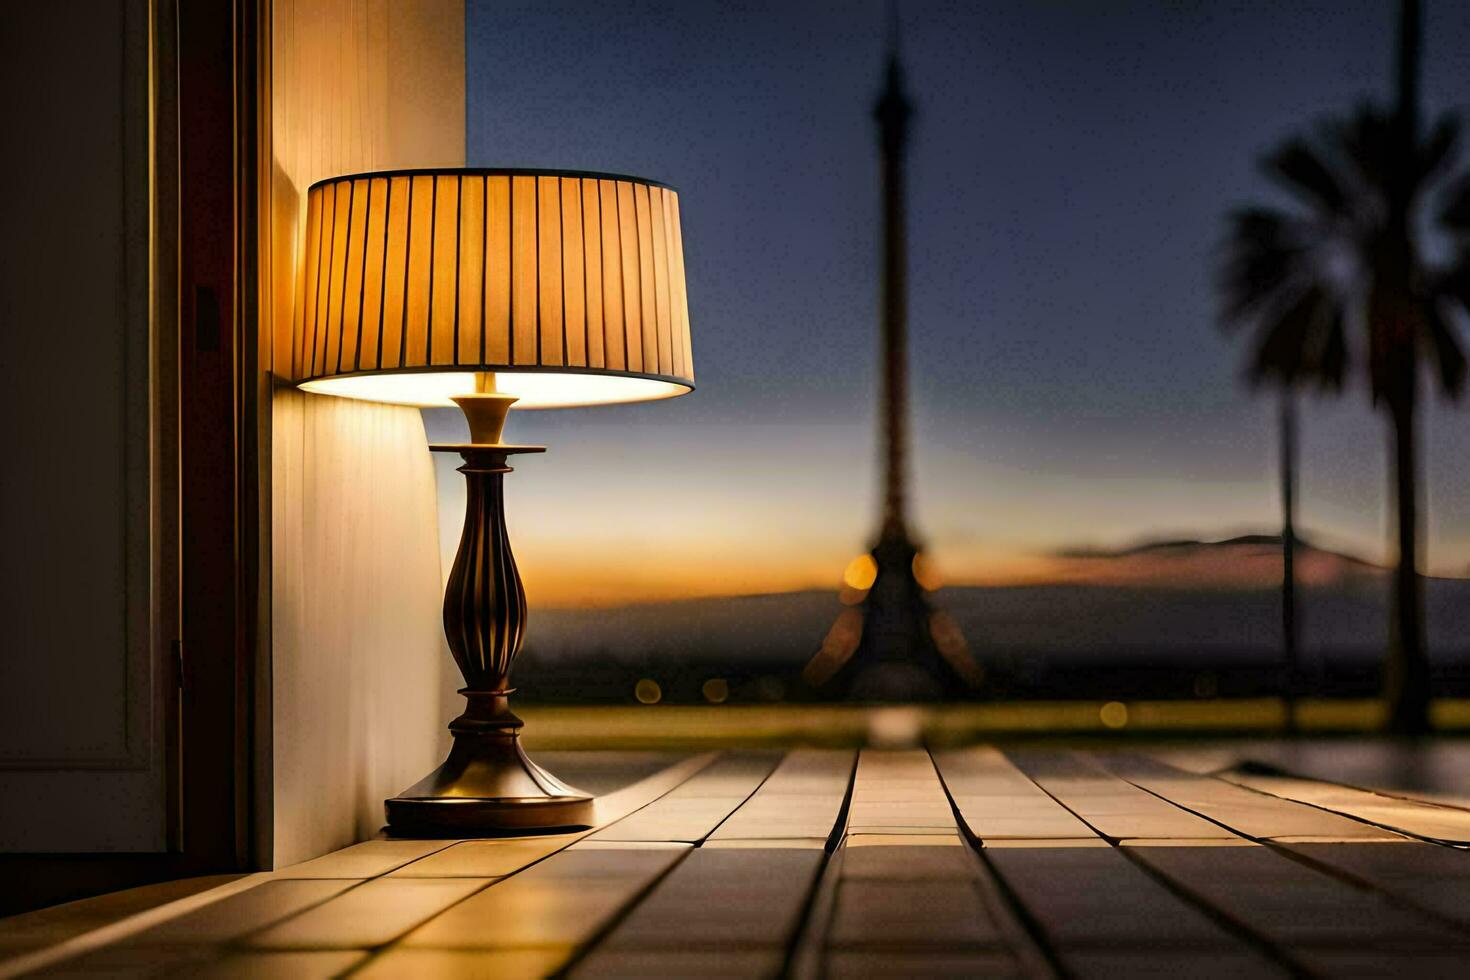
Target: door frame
x=220 y=50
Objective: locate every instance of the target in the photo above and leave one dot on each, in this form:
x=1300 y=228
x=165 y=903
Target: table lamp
x=484 y=289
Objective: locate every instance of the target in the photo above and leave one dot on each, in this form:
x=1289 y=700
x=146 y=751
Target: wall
x=362 y=682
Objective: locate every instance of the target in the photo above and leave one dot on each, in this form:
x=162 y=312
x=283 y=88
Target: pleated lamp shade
x=568 y=286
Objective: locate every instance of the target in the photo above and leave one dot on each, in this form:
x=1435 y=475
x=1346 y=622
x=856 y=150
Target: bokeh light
x=927 y=573
x=860 y=573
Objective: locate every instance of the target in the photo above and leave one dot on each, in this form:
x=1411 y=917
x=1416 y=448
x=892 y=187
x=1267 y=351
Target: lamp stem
x=484 y=603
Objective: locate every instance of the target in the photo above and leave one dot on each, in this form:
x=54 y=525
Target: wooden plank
x=1429 y=876
x=130 y=961
x=1434 y=771
x=732 y=774
x=83 y=947
x=936 y=859
x=719 y=899
x=997 y=801
x=905 y=964
x=1444 y=824
x=491 y=964
x=366 y=860
x=812 y=772
x=486 y=858
x=745 y=843
x=297 y=965
x=1367 y=962
x=1201 y=964
x=632 y=845
x=897 y=907
x=1091 y=896
x=634 y=964
x=561 y=902
x=689 y=820
x=936 y=913
x=372 y=914
x=1248 y=813
x=898 y=792
x=238 y=915
x=800 y=799
x=1113 y=807
x=42 y=928
x=1287 y=903
x=692 y=811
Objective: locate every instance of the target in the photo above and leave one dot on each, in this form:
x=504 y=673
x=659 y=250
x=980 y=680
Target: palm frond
x=1454 y=210
x=1453 y=282
x=1300 y=168
x=1264 y=255
x=1439 y=148
x=1448 y=306
x=1448 y=355
x=1302 y=340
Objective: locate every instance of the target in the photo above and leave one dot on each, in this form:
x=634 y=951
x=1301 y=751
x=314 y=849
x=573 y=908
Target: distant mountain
x=1246 y=561
x=1181 y=544
x=1170 y=601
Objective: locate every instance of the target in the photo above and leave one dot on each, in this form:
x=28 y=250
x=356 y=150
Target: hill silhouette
x=1168 y=601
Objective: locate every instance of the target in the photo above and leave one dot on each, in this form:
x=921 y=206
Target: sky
x=1070 y=169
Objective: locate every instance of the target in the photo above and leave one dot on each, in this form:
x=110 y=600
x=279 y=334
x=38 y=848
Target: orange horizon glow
x=579 y=582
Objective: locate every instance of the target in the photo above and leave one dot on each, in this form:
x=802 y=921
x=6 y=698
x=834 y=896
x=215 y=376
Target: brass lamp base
x=488 y=784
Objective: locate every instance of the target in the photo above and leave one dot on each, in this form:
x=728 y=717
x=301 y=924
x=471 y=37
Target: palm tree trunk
x=1407 y=68
x=1406 y=686
x=1406 y=682
x=1289 y=630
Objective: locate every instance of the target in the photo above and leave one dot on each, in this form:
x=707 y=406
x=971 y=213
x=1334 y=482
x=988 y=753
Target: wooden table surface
x=831 y=862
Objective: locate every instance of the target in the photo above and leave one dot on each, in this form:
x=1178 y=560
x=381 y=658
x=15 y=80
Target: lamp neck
x=485 y=411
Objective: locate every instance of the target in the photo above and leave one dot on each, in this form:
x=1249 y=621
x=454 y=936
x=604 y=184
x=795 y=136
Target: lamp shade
x=568 y=286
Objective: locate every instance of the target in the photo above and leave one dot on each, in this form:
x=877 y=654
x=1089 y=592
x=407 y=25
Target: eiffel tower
x=892 y=645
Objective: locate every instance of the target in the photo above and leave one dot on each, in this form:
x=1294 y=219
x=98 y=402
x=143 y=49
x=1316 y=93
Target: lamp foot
x=487 y=786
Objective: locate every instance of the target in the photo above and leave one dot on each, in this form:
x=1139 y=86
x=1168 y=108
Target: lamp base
x=487 y=786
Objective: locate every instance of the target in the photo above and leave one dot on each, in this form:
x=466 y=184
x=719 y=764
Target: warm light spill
x=433 y=389
x=860 y=574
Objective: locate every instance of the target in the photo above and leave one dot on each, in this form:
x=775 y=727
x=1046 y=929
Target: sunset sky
x=1071 y=167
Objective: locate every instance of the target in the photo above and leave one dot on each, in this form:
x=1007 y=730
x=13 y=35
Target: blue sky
x=1070 y=169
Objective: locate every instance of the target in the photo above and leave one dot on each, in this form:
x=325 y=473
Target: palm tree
x=1346 y=280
